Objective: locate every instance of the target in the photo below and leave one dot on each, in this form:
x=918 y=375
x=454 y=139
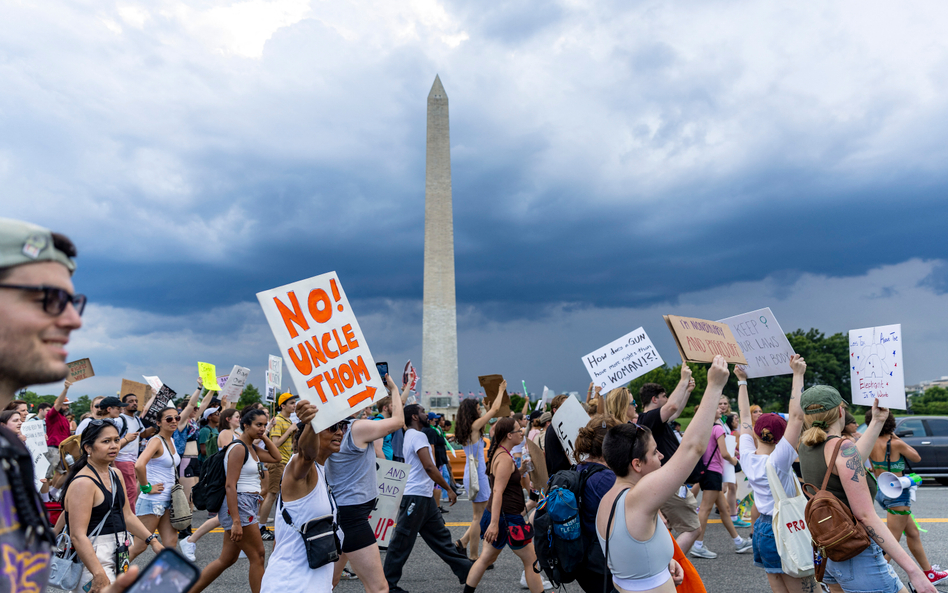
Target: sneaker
x=740 y=523
x=547 y=585
x=265 y=534
x=187 y=548
x=936 y=576
x=347 y=575
x=703 y=552
x=745 y=546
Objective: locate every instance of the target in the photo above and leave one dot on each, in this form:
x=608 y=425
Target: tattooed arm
x=868 y=438
x=852 y=473
x=743 y=403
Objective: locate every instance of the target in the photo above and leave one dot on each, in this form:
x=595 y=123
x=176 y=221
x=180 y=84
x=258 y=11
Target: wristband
x=742 y=383
x=146 y=488
x=150 y=538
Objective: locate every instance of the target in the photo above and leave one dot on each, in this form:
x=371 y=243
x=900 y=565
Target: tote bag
x=473 y=483
x=790 y=530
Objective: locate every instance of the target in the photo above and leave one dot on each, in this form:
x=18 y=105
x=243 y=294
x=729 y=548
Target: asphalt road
x=729 y=572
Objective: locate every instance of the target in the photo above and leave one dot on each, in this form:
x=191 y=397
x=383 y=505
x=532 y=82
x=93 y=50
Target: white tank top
x=160 y=470
x=249 y=479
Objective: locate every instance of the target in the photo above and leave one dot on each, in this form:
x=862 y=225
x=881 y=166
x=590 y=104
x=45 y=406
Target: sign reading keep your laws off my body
x=318 y=334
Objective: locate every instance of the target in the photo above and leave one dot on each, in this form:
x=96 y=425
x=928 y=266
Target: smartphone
x=168 y=572
x=383 y=369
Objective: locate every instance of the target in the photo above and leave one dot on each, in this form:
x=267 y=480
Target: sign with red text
x=700 y=340
x=766 y=347
x=80 y=369
x=622 y=360
x=326 y=353
x=391 y=477
x=875 y=366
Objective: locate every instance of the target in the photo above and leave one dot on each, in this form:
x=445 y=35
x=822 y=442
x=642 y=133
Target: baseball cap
x=818 y=399
x=26 y=243
x=209 y=411
x=285 y=398
x=769 y=428
x=432 y=416
x=546 y=417
x=111 y=402
x=535 y=414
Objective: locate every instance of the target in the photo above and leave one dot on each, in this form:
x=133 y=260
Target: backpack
x=834 y=531
x=559 y=542
x=695 y=476
x=70 y=447
x=208 y=494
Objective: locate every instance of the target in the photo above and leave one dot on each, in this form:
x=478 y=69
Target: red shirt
x=57 y=428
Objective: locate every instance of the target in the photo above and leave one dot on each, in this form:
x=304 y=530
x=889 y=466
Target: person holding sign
x=350 y=472
x=637 y=547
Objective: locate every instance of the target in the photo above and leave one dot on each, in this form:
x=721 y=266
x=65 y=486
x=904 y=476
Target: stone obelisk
x=439 y=350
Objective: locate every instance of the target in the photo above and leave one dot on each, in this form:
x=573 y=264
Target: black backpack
x=208 y=494
x=700 y=467
x=559 y=558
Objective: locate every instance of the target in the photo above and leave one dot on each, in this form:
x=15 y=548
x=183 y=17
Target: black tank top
x=116 y=521
x=512 y=502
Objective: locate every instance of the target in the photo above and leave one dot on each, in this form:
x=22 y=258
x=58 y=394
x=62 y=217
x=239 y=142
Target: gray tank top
x=351 y=472
x=630 y=559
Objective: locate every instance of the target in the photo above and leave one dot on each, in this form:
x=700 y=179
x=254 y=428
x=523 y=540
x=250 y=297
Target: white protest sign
x=330 y=362
x=234 y=386
x=391 y=477
x=155 y=383
x=763 y=342
x=275 y=371
x=567 y=421
x=35 y=433
x=271 y=393
x=875 y=357
x=622 y=360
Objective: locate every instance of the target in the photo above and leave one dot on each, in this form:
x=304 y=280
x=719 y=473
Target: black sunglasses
x=341 y=425
x=170 y=418
x=55 y=299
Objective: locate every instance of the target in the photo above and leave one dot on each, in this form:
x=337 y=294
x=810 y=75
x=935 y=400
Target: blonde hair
x=814 y=435
x=759 y=409
x=617 y=404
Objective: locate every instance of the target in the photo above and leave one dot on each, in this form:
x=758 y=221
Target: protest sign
x=391 y=477
x=155 y=383
x=622 y=360
x=208 y=374
x=235 y=383
x=35 y=432
x=140 y=390
x=222 y=380
x=539 y=475
x=331 y=365
x=763 y=343
x=409 y=376
x=274 y=378
x=548 y=396
x=700 y=340
x=164 y=395
x=567 y=421
x=875 y=357
x=80 y=369
x=491 y=385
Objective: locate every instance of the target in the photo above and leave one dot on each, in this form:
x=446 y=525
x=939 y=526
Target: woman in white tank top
x=155 y=469
x=305 y=496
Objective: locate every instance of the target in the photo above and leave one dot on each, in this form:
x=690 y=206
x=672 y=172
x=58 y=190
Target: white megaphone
x=893 y=485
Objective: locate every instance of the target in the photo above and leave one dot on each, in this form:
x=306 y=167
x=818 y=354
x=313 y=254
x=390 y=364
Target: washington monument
x=439 y=347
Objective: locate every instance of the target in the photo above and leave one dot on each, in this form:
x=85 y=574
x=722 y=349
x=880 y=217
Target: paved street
x=730 y=573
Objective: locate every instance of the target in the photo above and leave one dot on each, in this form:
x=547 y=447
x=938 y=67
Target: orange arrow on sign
x=367 y=394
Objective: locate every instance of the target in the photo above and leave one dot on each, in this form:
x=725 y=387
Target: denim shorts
x=151 y=507
x=866 y=573
x=505 y=522
x=766 y=555
x=248 y=504
x=902 y=500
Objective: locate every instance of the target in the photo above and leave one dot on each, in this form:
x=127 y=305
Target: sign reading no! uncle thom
x=326 y=352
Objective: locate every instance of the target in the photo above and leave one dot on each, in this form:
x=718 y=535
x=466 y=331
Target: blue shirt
x=386 y=442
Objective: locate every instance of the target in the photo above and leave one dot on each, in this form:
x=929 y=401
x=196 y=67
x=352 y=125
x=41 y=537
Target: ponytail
x=502 y=428
x=816 y=425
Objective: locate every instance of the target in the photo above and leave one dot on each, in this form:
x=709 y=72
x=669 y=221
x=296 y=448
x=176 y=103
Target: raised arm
x=743 y=404
x=679 y=397
x=58 y=404
x=188 y=410
x=478 y=425
x=150 y=396
x=795 y=424
x=367 y=431
x=868 y=438
x=308 y=444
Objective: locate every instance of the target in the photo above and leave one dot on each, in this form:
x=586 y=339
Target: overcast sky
x=611 y=161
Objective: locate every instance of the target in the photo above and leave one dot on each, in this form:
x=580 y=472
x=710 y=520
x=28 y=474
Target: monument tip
x=437 y=89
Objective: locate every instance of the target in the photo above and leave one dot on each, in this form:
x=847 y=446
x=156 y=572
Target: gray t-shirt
x=351 y=472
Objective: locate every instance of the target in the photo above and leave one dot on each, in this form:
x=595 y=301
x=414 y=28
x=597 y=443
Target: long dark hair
x=249 y=416
x=502 y=428
x=89 y=437
x=467 y=414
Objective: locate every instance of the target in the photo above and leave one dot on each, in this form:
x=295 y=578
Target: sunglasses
x=55 y=299
x=341 y=425
x=170 y=418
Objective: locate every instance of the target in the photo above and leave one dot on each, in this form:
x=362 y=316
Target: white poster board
x=392 y=476
x=155 y=383
x=35 y=432
x=236 y=381
x=875 y=356
x=622 y=360
x=274 y=377
x=763 y=342
x=567 y=421
x=330 y=361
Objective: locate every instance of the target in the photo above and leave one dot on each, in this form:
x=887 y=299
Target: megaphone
x=893 y=485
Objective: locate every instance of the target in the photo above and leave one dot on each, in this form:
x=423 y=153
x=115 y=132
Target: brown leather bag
x=834 y=531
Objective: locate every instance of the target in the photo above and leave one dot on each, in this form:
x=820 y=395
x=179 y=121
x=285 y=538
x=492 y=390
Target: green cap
x=823 y=396
x=26 y=243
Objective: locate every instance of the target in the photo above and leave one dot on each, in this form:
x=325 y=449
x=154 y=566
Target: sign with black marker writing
x=567 y=421
x=622 y=360
x=766 y=347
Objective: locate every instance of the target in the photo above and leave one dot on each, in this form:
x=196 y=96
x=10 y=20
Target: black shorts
x=711 y=481
x=354 y=522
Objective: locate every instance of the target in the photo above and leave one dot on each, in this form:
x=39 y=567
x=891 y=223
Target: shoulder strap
x=584 y=475
x=831 y=464
x=171 y=454
x=888 y=454
x=124 y=430
x=612 y=514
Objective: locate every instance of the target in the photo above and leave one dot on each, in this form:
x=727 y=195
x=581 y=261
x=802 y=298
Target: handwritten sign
x=140 y=390
x=875 y=366
x=491 y=385
x=766 y=347
x=539 y=476
x=80 y=369
x=164 y=395
x=155 y=382
x=330 y=361
x=391 y=477
x=700 y=340
x=622 y=360
x=35 y=432
x=567 y=421
x=274 y=377
x=208 y=374
x=234 y=386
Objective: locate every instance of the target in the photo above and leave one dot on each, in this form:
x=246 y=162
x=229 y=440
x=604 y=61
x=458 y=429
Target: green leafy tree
x=933 y=401
x=80 y=406
x=250 y=396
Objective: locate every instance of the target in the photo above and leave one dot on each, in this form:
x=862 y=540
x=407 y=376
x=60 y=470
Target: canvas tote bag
x=790 y=530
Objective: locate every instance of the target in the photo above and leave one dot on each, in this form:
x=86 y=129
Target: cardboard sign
x=700 y=340
x=490 y=384
x=208 y=374
x=391 y=476
x=766 y=347
x=234 y=386
x=35 y=432
x=330 y=361
x=271 y=394
x=164 y=395
x=155 y=383
x=622 y=360
x=139 y=389
x=80 y=369
x=875 y=366
x=567 y=421
x=539 y=476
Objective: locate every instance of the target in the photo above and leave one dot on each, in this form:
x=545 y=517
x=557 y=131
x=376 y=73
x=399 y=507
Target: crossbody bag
x=319 y=534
